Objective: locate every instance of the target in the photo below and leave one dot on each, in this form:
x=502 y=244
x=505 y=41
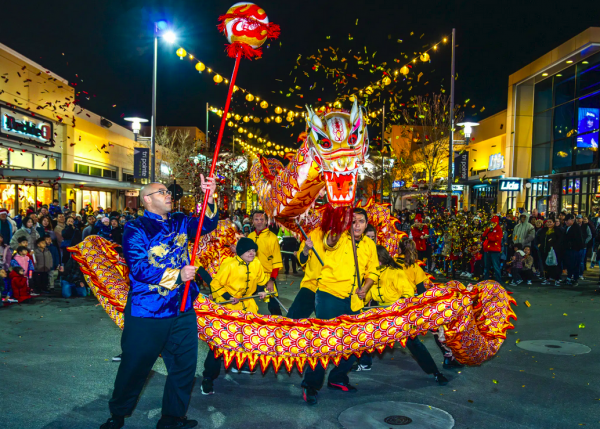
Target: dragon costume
x=474 y=320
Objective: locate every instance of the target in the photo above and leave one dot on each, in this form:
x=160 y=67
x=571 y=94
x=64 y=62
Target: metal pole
x=206 y=137
x=153 y=124
x=451 y=154
x=382 y=143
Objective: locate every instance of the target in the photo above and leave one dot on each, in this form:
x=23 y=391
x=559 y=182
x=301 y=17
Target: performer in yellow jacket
x=339 y=292
x=304 y=303
x=238 y=277
x=269 y=254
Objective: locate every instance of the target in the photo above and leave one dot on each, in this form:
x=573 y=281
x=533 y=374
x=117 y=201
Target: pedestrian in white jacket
x=524 y=232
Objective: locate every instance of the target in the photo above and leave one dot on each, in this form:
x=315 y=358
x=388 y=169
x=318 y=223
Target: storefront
x=538 y=195
x=484 y=197
x=510 y=187
x=16 y=197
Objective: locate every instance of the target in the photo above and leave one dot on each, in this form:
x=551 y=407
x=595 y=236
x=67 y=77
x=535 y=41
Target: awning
x=66 y=177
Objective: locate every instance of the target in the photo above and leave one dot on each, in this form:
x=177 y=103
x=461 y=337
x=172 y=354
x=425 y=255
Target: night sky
x=108 y=44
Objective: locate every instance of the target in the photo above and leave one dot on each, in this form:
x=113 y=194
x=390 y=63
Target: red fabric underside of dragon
x=474 y=320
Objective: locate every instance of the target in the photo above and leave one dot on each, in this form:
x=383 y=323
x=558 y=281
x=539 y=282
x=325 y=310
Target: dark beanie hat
x=244 y=245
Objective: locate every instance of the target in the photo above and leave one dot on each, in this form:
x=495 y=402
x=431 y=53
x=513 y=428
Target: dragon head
x=339 y=143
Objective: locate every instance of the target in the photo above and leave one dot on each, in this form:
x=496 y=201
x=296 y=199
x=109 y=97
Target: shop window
x=543 y=96
x=3 y=156
x=21 y=159
x=563 y=125
x=52 y=165
x=562 y=155
x=7 y=198
x=44 y=195
x=109 y=174
x=542 y=124
x=540 y=159
x=83 y=169
x=40 y=162
x=588 y=75
x=564 y=86
x=128 y=177
x=95 y=171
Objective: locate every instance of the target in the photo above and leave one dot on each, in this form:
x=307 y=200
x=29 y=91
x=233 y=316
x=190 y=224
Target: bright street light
x=170 y=37
x=468 y=128
x=136 y=125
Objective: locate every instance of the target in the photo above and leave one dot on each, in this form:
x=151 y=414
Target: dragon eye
x=325 y=143
x=352 y=139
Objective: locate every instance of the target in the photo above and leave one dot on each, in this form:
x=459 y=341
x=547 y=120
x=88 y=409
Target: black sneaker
x=441 y=380
x=115 y=422
x=450 y=363
x=344 y=387
x=207 y=387
x=310 y=395
x=168 y=422
x=117 y=358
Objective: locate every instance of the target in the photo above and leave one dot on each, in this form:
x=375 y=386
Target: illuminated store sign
x=26 y=128
x=510 y=184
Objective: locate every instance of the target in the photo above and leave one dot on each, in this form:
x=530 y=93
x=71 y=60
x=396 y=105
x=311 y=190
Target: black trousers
x=39 y=281
x=273 y=305
x=212 y=366
x=143 y=340
x=303 y=305
x=329 y=307
x=419 y=352
x=286 y=262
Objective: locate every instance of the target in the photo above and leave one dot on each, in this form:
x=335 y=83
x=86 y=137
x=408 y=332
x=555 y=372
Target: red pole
x=211 y=174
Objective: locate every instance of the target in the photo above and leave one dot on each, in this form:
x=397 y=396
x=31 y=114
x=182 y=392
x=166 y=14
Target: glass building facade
x=566 y=113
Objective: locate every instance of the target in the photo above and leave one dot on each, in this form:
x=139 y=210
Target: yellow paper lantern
x=231 y=124
x=228 y=115
x=289 y=118
x=424 y=57
x=264 y=104
x=267 y=120
x=249 y=97
x=181 y=53
x=256 y=120
x=235 y=88
x=404 y=70
x=237 y=117
x=246 y=119
x=250 y=135
x=278 y=119
x=369 y=90
x=337 y=105
x=277 y=147
x=269 y=144
x=278 y=110
x=387 y=80
x=218 y=78
x=240 y=130
x=352 y=98
x=200 y=67
x=220 y=112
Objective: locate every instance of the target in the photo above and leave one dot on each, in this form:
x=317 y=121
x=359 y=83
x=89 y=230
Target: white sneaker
x=11 y=300
x=34 y=294
x=546 y=282
x=581 y=278
x=528 y=282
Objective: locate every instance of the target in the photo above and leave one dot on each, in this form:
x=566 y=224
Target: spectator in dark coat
x=72 y=281
x=71 y=237
x=116 y=230
x=573 y=244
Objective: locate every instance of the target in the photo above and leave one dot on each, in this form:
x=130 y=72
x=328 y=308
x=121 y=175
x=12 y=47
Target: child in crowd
x=528 y=268
x=5 y=254
x=5 y=287
x=42 y=267
x=18 y=283
x=476 y=261
x=53 y=249
x=516 y=264
x=23 y=259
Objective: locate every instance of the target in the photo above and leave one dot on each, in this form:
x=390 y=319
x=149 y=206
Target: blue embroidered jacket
x=155 y=250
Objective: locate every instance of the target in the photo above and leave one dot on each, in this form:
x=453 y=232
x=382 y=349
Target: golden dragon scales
x=334 y=149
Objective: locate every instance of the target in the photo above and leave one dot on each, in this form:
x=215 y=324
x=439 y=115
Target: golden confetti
x=581 y=326
x=529 y=305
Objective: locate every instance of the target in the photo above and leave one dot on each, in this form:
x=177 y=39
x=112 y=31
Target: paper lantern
x=269 y=144
x=240 y=130
x=424 y=57
x=278 y=110
x=237 y=117
x=289 y=118
x=264 y=104
x=256 y=120
x=267 y=120
x=278 y=119
x=369 y=90
x=337 y=105
x=231 y=124
x=404 y=70
x=218 y=78
x=250 y=135
x=246 y=119
x=249 y=97
x=352 y=98
x=386 y=80
x=181 y=53
x=246 y=27
x=200 y=67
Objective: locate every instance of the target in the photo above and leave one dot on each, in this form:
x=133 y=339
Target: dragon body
x=474 y=320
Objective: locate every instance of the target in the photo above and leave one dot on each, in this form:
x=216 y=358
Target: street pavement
x=56 y=373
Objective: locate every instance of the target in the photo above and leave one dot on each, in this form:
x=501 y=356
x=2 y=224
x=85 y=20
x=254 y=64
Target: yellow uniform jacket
x=338 y=275
x=414 y=273
x=269 y=253
x=390 y=284
x=238 y=279
x=312 y=267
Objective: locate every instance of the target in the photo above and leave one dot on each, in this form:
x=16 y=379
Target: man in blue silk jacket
x=155 y=247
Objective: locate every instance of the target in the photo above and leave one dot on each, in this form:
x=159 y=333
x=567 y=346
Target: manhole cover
x=382 y=415
x=398 y=420
x=553 y=347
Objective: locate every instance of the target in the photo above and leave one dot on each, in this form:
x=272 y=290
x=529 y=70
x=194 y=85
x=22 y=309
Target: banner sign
x=26 y=128
x=398 y=184
x=461 y=165
x=510 y=184
x=141 y=162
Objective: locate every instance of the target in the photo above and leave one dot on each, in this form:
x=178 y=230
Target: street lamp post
x=161 y=28
x=136 y=125
x=451 y=154
x=382 y=143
